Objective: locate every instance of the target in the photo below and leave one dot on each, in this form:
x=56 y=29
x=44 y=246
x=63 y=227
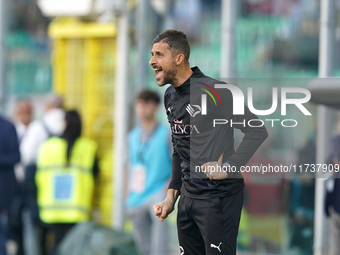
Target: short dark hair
x=149 y=96
x=177 y=41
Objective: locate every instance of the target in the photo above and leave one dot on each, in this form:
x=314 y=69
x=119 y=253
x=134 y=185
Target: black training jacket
x=196 y=141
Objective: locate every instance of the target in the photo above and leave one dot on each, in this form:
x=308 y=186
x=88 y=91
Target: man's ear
x=179 y=59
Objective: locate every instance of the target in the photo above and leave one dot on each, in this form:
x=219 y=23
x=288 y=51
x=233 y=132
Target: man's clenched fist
x=163 y=209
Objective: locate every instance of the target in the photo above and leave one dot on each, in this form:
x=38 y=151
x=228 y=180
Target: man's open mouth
x=158 y=72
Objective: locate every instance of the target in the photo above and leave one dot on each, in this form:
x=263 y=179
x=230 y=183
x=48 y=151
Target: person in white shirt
x=38 y=131
x=51 y=124
x=23 y=117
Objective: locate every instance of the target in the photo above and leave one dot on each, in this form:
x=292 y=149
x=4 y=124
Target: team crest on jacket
x=193 y=110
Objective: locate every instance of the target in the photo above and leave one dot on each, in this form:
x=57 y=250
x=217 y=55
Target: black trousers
x=209 y=226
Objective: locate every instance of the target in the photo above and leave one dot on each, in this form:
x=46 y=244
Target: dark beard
x=169 y=77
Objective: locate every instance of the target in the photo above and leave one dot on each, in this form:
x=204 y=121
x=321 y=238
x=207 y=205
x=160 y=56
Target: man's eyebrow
x=155 y=52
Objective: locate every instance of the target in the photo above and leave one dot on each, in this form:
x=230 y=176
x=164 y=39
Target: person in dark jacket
x=211 y=200
x=9 y=156
x=333 y=200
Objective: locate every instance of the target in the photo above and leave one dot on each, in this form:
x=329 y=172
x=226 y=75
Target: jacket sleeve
x=253 y=138
x=254 y=135
x=12 y=154
x=176 y=172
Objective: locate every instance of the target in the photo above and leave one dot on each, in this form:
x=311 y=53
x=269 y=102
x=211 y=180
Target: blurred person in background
x=22 y=119
x=9 y=156
x=302 y=213
x=51 y=124
x=149 y=173
x=65 y=177
x=187 y=17
x=332 y=202
x=302 y=198
x=38 y=131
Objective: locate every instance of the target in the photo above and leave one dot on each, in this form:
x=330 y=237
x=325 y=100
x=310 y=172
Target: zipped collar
x=196 y=73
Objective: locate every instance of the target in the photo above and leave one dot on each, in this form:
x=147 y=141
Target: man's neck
x=182 y=76
x=149 y=124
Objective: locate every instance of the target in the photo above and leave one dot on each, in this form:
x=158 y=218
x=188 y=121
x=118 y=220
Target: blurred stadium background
x=76 y=57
